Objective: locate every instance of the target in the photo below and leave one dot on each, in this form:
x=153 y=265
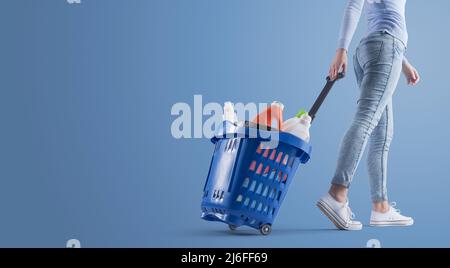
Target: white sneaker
x=390 y=218
x=339 y=213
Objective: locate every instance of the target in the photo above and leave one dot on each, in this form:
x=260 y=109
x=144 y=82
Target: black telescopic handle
x=313 y=111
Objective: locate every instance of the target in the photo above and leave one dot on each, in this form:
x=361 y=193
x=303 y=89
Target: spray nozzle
x=300 y=113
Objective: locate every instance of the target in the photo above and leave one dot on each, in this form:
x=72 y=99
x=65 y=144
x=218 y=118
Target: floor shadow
x=291 y=231
x=253 y=232
x=225 y=232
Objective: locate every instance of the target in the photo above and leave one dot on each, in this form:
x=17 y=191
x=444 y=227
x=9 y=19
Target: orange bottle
x=272 y=112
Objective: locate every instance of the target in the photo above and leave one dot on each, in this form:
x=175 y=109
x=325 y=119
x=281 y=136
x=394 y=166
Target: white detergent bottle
x=228 y=113
x=291 y=122
x=299 y=125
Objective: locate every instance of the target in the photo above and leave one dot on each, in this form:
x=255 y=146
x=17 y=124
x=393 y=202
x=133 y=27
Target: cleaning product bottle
x=228 y=113
x=299 y=125
x=274 y=111
x=294 y=120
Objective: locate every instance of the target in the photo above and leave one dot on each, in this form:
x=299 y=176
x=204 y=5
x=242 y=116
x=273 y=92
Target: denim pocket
x=369 y=51
x=399 y=51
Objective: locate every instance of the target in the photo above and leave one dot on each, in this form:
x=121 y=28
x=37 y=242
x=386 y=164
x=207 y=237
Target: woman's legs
x=378 y=66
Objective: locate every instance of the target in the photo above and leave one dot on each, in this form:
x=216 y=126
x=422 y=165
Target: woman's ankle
x=381 y=207
x=339 y=193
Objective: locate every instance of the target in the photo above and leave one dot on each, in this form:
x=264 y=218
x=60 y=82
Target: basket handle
x=323 y=94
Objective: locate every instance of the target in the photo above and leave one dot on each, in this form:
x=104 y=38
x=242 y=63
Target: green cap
x=300 y=113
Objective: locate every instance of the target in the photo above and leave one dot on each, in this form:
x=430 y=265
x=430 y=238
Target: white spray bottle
x=299 y=125
x=228 y=113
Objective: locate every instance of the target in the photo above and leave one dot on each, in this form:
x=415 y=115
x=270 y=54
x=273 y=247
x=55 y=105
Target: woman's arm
x=348 y=27
x=350 y=22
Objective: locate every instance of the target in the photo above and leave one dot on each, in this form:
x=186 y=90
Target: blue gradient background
x=85 y=98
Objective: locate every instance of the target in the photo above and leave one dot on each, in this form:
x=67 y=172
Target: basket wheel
x=232 y=227
x=265 y=229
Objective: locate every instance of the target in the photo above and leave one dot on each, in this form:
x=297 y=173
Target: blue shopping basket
x=246 y=182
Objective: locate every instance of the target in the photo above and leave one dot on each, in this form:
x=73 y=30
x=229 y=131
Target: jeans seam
x=383 y=174
x=383 y=171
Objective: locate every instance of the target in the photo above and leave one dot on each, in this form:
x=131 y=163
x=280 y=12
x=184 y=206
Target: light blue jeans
x=378 y=64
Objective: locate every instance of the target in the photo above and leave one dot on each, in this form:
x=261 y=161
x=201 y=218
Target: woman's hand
x=411 y=74
x=339 y=64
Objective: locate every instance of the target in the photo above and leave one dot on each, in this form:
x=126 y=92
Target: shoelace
x=393 y=206
x=350 y=212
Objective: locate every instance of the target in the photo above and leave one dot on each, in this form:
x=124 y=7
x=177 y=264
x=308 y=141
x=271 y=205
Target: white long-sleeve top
x=382 y=15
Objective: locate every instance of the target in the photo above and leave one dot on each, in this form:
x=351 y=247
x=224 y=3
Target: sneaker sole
x=329 y=213
x=391 y=223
